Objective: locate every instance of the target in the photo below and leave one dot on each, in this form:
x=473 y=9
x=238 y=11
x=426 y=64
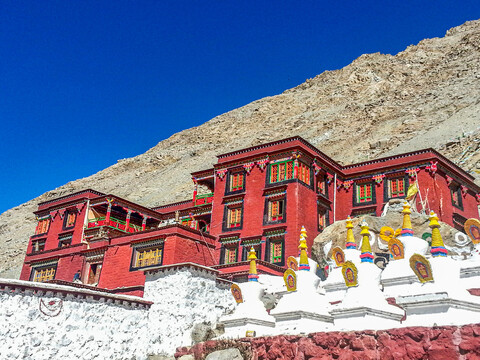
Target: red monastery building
x=259 y=196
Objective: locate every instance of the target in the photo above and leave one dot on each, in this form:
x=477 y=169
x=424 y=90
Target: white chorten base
x=296 y=322
x=237 y=328
x=439 y=309
x=365 y=318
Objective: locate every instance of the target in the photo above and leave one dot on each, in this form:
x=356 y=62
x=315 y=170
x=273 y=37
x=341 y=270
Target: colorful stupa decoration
x=252 y=275
x=396 y=249
x=290 y=279
x=350 y=244
x=338 y=255
x=472 y=228
x=366 y=249
x=437 y=247
x=350 y=274
x=386 y=233
x=302 y=247
x=237 y=293
x=407 y=223
x=421 y=267
x=292 y=263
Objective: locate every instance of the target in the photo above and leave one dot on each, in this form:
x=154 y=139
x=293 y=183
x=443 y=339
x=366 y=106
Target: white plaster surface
x=92 y=329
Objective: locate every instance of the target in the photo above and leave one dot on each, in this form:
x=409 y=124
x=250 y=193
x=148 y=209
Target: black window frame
x=269 y=241
x=456 y=188
x=327 y=216
x=222 y=253
x=266 y=215
x=386 y=186
x=225 y=217
x=229 y=179
x=246 y=249
x=355 y=190
x=145 y=247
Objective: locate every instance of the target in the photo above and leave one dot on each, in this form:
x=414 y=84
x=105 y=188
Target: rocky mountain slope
x=425 y=96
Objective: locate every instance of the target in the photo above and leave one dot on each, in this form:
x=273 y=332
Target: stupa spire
x=407 y=223
x=437 y=247
x=366 y=255
x=302 y=247
x=350 y=243
x=252 y=275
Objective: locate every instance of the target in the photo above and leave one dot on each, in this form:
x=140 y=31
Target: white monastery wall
x=55 y=324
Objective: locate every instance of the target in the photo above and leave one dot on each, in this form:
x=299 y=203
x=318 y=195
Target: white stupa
x=303 y=310
x=364 y=305
x=250 y=315
x=397 y=278
x=442 y=299
x=334 y=285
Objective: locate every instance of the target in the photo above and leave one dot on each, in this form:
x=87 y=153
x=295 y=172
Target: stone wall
x=51 y=321
x=439 y=343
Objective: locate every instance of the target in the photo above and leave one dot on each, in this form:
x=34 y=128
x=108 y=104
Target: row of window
x=44 y=224
x=274 y=252
x=277 y=172
x=141 y=258
x=275 y=213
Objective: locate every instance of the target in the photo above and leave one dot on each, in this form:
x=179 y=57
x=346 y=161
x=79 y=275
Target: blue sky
x=85 y=83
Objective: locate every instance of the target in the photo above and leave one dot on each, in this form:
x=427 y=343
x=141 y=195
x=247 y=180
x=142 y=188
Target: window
x=280 y=171
x=304 y=173
x=321 y=185
x=42 y=226
x=38 y=245
x=145 y=257
x=456 y=194
x=246 y=250
x=230 y=255
x=94 y=273
x=322 y=218
x=275 y=211
x=396 y=188
x=236 y=181
x=234 y=217
x=44 y=274
x=65 y=240
x=363 y=194
x=70 y=218
x=189 y=222
x=275 y=253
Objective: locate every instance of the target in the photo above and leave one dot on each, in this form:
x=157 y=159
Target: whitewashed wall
x=93 y=329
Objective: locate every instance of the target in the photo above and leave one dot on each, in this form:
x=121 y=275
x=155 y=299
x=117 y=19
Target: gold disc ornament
x=350 y=274
x=421 y=267
x=237 y=293
x=472 y=228
x=292 y=263
x=290 y=279
x=339 y=256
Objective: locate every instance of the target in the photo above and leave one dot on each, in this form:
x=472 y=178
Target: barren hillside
x=425 y=96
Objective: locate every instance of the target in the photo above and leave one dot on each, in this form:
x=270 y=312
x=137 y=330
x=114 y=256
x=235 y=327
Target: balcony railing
x=113 y=223
x=203 y=199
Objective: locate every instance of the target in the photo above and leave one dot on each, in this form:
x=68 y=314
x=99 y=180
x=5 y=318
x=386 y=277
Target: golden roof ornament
x=252 y=256
x=438 y=247
x=407 y=223
x=366 y=255
x=350 y=243
x=303 y=250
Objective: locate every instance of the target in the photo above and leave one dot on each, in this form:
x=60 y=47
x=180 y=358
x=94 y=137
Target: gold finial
x=407 y=223
x=366 y=249
x=350 y=243
x=252 y=256
x=438 y=247
x=302 y=246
